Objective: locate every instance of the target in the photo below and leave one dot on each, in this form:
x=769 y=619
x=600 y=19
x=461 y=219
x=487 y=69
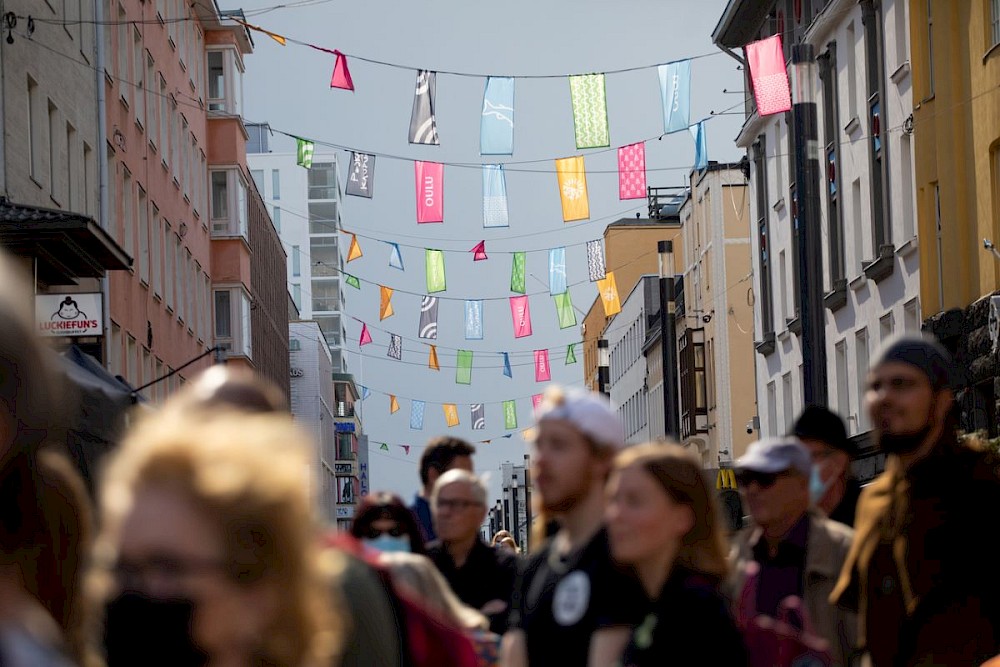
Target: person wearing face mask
x=832 y=487
x=383 y=522
x=922 y=570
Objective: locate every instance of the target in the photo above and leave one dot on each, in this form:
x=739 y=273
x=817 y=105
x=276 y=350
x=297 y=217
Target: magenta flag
x=535 y=400
x=520 y=313
x=632 y=171
x=480 y=252
x=341 y=75
x=542 y=373
x=365 y=336
x=430 y=191
x=767 y=72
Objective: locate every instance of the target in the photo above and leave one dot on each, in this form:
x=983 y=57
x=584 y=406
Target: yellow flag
x=451 y=414
x=608 y=290
x=355 y=250
x=432 y=359
x=573 y=188
x=385 y=307
x=393 y=404
x=273 y=35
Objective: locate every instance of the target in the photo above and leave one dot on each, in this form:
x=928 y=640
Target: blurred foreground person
x=208 y=552
x=509 y=545
x=230 y=388
x=384 y=523
x=663 y=522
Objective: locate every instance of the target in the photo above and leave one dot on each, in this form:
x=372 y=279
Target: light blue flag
x=700 y=145
x=496 y=134
x=494 y=196
x=506 y=365
x=365 y=392
x=675 y=93
x=557 y=270
x=417 y=415
x=473 y=320
x=395 y=258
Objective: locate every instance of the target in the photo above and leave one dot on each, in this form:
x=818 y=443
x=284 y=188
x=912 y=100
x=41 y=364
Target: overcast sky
x=289 y=88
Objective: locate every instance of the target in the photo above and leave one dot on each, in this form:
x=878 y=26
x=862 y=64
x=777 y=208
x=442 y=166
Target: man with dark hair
x=832 y=487
x=441 y=455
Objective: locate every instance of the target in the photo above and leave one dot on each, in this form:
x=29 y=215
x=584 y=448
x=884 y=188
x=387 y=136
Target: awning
x=726 y=479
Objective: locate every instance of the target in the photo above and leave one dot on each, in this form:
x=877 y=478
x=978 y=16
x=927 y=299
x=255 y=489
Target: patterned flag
x=435 y=271
x=509 y=415
x=632 y=171
x=572 y=176
x=416 y=415
x=366 y=337
x=428 y=318
x=473 y=320
x=393 y=405
x=608 y=290
x=506 y=365
x=385 y=302
x=432 y=359
x=590 y=110
x=564 y=309
x=517 y=273
x=395 y=347
x=423 y=124
x=463 y=368
x=430 y=191
x=535 y=400
x=395 y=257
x=542 y=371
x=361 y=179
x=520 y=313
x=570 y=354
x=355 y=250
x=557 y=270
x=352 y=281
x=494 y=196
x=341 y=74
x=595 y=260
x=766 y=61
x=479 y=252
x=478 y=417
x=496 y=131
x=304 y=151
x=450 y=414
x=675 y=93
x=700 y=145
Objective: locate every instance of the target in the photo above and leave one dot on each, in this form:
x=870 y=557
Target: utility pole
x=668 y=341
x=812 y=315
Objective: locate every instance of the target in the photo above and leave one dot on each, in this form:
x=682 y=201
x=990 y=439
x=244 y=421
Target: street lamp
x=668 y=340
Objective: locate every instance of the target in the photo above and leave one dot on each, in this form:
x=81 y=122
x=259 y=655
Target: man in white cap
x=799 y=552
x=571 y=604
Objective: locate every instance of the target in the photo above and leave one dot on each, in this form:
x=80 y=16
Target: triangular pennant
x=355 y=250
x=385 y=302
x=486 y=442
x=507 y=436
x=384 y=447
x=273 y=35
x=406 y=448
x=366 y=337
x=395 y=258
x=432 y=359
x=352 y=281
x=528 y=434
x=393 y=405
x=571 y=354
x=304 y=152
x=341 y=74
x=365 y=392
x=450 y=414
x=480 y=252
x=506 y=365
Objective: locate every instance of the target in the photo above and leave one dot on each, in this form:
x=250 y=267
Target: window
x=89 y=179
x=116 y=349
x=902 y=30
x=330 y=326
x=294 y=345
x=124 y=42
x=906 y=179
x=911 y=316
x=788 y=406
x=852 y=71
x=297 y=295
x=792 y=310
x=185 y=158
x=147 y=366
x=930 y=41
x=54 y=190
x=225 y=81
x=323 y=217
x=772 y=410
x=877 y=144
x=843 y=386
x=763 y=236
x=693 y=383
x=164 y=115
x=229 y=203
x=276 y=184
x=138 y=63
x=156 y=250
x=939 y=242
x=159 y=392
x=152 y=108
x=326 y=295
x=34 y=131
x=886 y=327
x=206 y=306
x=175 y=139
x=190 y=310
x=128 y=215
x=113 y=222
x=232 y=320
x=323 y=181
x=786 y=307
x=178 y=273
x=132 y=363
x=72 y=169
x=143 y=238
x=169 y=266
x=860 y=226
x=276 y=218
x=831 y=135
x=296 y=261
x=258 y=179
x=861 y=368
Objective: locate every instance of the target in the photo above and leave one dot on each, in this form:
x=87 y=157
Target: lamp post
x=810 y=267
x=603 y=367
x=668 y=340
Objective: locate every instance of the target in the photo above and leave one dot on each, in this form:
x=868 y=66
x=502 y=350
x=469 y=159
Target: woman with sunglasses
x=662 y=522
x=384 y=523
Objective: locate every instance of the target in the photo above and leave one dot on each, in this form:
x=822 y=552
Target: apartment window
x=294 y=345
x=232 y=321
x=191 y=178
x=179 y=275
x=128 y=215
x=203 y=181
x=54 y=189
x=33 y=135
x=185 y=157
x=906 y=178
x=861 y=368
x=763 y=236
x=132 y=362
x=297 y=295
x=156 y=250
x=939 y=244
x=89 y=178
x=229 y=203
x=831 y=135
x=877 y=144
x=158 y=392
x=792 y=310
x=322 y=181
x=276 y=218
x=225 y=81
x=843 y=384
x=143 y=238
x=772 y=409
x=152 y=108
x=786 y=307
x=258 y=179
x=326 y=296
x=116 y=349
x=124 y=43
x=72 y=170
x=930 y=41
x=176 y=140
x=296 y=261
x=694 y=390
x=169 y=268
x=860 y=226
x=190 y=309
x=886 y=327
x=788 y=405
x=852 y=71
x=902 y=29
x=163 y=120
x=275 y=184
x=140 y=94
x=206 y=306
x=113 y=220
x=147 y=366
x=323 y=217
x=911 y=316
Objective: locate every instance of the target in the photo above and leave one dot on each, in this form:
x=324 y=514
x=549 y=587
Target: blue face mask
x=390 y=544
x=817 y=487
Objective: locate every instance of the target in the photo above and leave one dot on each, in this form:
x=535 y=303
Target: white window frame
x=143 y=250
x=233 y=221
x=138 y=64
x=156 y=251
x=231 y=102
x=238 y=341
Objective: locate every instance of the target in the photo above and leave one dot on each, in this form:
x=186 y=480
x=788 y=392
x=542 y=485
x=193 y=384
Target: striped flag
x=590 y=111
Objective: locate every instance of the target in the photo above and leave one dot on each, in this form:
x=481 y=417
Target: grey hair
x=476 y=484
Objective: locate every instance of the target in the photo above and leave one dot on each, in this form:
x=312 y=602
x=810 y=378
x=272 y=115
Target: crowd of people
x=204 y=546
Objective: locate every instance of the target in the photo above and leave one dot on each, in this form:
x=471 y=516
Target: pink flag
x=341 y=75
x=365 y=336
x=406 y=448
x=430 y=191
x=521 y=314
x=535 y=400
x=767 y=72
x=632 y=171
x=480 y=251
x=542 y=373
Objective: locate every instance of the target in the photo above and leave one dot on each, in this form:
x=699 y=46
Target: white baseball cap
x=587 y=411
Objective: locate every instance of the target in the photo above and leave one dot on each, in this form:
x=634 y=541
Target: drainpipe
x=103 y=205
x=3 y=126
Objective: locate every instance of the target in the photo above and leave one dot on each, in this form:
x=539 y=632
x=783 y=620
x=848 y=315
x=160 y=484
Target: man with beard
x=571 y=604
x=921 y=570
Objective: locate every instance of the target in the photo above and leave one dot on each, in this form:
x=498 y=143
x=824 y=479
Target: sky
x=288 y=87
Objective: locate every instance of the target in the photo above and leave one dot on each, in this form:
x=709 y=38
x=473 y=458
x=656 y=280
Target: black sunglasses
x=764 y=480
x=395 y=531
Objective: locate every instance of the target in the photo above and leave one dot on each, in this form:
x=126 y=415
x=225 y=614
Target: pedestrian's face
x=900 y=399
x=565 y=466
x=830 y=461
x=774 y=498
x=457 y=513
x=643 y=521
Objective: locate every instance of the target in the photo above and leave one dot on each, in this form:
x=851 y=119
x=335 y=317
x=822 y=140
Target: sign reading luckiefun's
x=69 y=314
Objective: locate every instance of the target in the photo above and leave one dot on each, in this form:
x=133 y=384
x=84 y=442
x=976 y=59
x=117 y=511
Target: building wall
x=269 y=314
x=626 y=333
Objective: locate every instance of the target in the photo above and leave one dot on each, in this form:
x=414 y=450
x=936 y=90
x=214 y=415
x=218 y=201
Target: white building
x=626 y=334
x=870 y=262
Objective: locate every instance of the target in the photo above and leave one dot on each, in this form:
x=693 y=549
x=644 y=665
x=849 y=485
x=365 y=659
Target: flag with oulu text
x=542 y=371
x=521 y=315
x=429 y=179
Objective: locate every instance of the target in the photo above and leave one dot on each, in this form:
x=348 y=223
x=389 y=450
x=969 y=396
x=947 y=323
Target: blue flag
x=473 y=320
x=417 y=415
x=557 y=270
x=494 y=196
x=506 y=365
x=675 y=93
x=395 y=258
x=700 y=145
x=496 y=134
x=365 y=392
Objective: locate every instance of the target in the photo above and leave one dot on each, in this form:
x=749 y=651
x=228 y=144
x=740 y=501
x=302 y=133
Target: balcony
x=344 y=410
x=665 y=203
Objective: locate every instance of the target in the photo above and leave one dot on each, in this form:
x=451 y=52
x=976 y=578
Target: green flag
x=509 y=414
x=571 y=354
x=352 y=281
x=564 y=308
x=305 y=153
x=384 y=447
x=463 y=374
x=435 y=271
x=590 y=110
x=517 y=273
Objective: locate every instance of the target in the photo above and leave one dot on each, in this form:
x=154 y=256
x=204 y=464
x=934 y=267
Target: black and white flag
x=429 y=318
x=361 y=180
x=423 y=124
x=478 y=417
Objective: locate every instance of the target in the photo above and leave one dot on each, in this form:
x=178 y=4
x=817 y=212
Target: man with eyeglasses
x=799 y=552
x=832 y=487
x=480 y=576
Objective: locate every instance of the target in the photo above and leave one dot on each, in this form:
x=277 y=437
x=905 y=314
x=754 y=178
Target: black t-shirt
x=560 y=602
x=688 y=609
x=488 y=574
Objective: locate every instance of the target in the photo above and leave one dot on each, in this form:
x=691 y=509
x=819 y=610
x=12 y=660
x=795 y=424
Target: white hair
x=476 y=484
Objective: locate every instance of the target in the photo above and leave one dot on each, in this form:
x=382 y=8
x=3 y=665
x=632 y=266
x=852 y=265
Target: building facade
x=870 y=262
x=346 y=482
x=627 y=371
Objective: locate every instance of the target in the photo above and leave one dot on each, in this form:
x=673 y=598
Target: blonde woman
x=208 y=551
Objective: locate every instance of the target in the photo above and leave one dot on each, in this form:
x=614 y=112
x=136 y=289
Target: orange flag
x=393 y=404
x=355 y=250
x=432 y=359
x=450 y=414
x=385 y=307
x=608 y=290
x=573 y=188
x=273 y=35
